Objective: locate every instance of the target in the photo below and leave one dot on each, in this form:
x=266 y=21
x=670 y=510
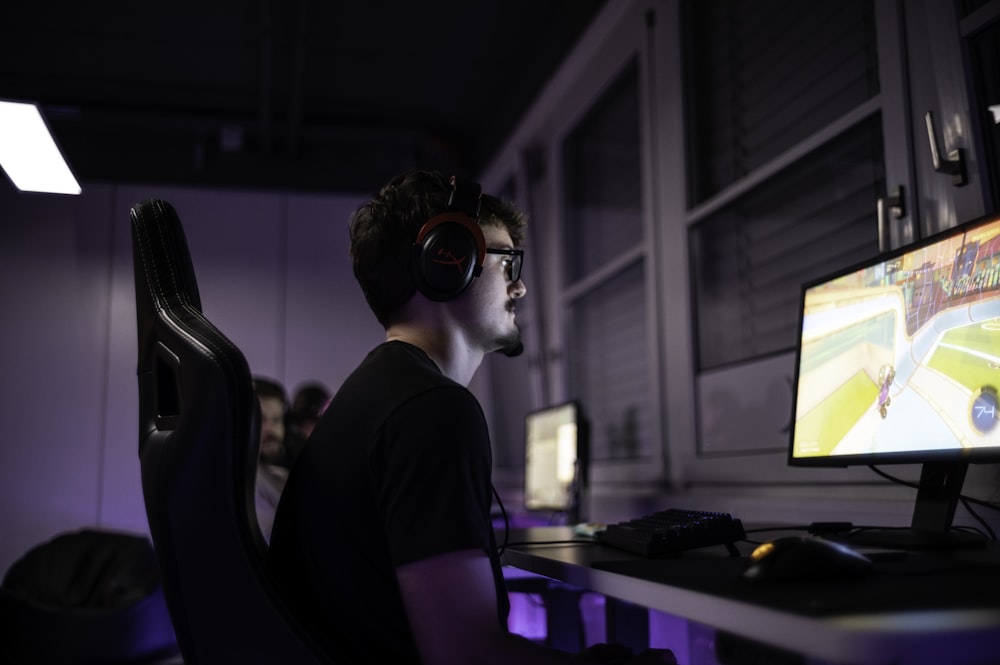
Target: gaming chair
x=198 y=440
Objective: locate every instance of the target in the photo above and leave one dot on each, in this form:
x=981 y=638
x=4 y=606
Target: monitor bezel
x=973 y=455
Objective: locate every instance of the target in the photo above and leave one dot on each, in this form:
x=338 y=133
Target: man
x=307 y=406
x=383 y=543
x=273 y=405
x=271 y=471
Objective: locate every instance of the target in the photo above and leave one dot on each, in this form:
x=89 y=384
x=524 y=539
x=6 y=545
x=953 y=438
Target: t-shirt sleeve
x=433 y=468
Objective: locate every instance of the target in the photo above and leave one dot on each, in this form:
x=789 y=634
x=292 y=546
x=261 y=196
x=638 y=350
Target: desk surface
x=923 y=608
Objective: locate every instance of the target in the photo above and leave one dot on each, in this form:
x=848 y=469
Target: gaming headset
x=450 y=248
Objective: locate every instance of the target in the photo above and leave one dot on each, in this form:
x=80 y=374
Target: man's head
x=384 y=232
x=273 y=403
x=308 y=405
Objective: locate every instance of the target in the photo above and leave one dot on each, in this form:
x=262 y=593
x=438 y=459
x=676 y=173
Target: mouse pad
x=912 y=583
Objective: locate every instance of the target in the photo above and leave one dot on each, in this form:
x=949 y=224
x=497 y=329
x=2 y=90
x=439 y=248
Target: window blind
x=762 y=76
x=750 y=259
x=609 y=368
x=601 y=166
x=608 y=339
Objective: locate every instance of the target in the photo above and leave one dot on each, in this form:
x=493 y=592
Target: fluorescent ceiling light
x=29 y=154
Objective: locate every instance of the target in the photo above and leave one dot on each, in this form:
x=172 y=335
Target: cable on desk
x=527 y=543
x=860 y=528
x=770 y=529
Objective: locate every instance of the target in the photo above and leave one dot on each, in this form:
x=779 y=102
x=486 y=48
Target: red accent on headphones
x=462 y=219
x=450 y=248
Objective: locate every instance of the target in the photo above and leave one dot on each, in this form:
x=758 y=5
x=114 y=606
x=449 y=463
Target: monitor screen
x=554 y=454
x=898 y=360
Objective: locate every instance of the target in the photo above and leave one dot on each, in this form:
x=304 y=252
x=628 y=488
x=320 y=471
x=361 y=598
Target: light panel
x=29 y=154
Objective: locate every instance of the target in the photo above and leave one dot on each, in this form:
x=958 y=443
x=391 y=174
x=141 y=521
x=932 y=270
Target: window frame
x=624 y=35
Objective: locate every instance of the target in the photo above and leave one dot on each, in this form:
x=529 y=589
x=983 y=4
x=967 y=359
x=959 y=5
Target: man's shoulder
x=401 y=352
x=403 y=368
x=398 y=377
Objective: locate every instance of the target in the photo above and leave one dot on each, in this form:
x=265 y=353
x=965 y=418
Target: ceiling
x=283 y=94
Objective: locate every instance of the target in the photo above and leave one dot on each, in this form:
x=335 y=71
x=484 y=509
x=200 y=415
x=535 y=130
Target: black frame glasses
x=513 y=264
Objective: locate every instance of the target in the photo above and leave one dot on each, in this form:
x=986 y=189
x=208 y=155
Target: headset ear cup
x=448 y=255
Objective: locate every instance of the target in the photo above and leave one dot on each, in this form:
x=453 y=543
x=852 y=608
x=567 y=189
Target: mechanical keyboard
x=673 y=530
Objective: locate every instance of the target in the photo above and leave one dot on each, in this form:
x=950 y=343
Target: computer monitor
x=555 y=459
x=898 y=361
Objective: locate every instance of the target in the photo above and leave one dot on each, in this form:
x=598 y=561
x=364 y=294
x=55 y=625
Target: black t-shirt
x=397 y=470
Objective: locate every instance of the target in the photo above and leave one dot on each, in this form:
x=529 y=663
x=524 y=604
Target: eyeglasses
x=512 y=264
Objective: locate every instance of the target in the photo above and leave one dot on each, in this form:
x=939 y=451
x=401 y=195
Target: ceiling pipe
x=266 y=73
x=301 y=41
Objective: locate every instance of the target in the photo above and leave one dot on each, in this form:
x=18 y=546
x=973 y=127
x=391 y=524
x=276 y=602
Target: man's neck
x=454 y=357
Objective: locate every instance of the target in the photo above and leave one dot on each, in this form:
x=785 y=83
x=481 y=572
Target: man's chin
x=270 y=454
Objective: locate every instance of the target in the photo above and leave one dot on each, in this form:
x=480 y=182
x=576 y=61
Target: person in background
x=307 y=406
x=272 y=458
x=383 y=546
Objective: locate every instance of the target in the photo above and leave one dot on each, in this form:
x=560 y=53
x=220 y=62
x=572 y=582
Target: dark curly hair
x=266 y=387
x=383 y=231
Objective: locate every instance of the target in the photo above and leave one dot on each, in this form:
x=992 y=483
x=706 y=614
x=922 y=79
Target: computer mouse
x=805 y=558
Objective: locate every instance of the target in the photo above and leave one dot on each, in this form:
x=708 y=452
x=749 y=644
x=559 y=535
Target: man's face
x=272 y=429
x=490 y=300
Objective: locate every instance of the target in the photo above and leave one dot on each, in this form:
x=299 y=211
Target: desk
x=931 y=608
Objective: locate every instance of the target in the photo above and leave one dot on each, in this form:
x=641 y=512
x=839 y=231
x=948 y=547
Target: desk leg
x=627 y=624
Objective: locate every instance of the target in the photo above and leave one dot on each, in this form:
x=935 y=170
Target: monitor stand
x=931 y=527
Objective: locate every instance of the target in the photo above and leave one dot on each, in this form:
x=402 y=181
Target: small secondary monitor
x=554 y=459
x=898 y=360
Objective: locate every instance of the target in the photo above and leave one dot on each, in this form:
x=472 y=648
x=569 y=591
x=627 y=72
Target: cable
x=769 y=529
x=989 y=530
x=894 y=479
x=765 y=529
x=506 y=520
x=907 y=483
x=965 y=500
x=549 y=543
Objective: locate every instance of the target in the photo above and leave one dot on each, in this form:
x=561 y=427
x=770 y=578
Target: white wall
x=274 y=276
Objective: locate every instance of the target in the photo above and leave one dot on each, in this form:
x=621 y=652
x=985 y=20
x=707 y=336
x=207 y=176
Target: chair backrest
x=198 y=442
